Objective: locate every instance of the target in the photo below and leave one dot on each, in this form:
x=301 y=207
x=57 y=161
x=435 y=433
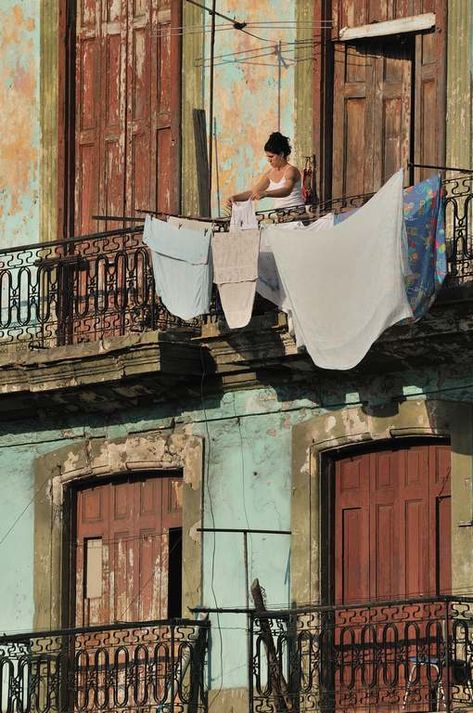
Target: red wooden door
x=392 y=524
x=392 y=542
x=127 y=540
x=127 y=89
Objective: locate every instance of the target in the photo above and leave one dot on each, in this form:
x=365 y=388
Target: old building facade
x=153 y=470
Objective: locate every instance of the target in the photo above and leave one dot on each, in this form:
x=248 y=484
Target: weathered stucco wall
x=257 y=89
x=247 y=483
x=19 y=121
x=254 y=87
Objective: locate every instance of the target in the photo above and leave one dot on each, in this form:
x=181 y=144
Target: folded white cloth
x=345 y=284
x=235 y=263
x=181 y=264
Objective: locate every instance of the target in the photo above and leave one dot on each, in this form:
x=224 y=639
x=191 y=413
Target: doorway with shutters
x=127 y=550
x=383 y=95
x=392 y=524
x=123 y=97
x=389 y=526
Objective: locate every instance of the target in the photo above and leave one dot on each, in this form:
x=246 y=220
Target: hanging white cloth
x=243 y=216
x=345 y=284
x=235 y=262
x=269 y=283
x=181 y=264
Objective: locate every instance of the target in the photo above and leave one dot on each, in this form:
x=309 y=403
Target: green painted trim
x=48 y=91
x=193 y=47
x=303 y=90
x=459 y=89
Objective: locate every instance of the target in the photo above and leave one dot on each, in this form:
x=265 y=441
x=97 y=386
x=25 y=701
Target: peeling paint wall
x=253 y=86
x=19 y=121
x=247 y=482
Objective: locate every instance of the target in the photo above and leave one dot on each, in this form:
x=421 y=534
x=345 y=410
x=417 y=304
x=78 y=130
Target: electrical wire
x=25 y=509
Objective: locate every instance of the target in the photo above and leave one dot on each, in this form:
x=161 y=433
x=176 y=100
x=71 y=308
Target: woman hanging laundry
x=281 y=181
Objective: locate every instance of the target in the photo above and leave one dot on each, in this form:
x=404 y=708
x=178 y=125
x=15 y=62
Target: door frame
x=95 y=460
x=362 y=424
x=327 y=496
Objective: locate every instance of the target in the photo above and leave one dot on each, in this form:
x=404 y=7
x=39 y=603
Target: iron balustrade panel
x=146 y=667
x=79 y=290
x=415 y=655
x=458 y=226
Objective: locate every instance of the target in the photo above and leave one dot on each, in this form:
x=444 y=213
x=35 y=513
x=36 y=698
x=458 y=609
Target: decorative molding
x=93 y=460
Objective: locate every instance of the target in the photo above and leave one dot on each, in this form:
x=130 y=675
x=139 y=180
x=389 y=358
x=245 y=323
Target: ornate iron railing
x=79 y=290
x=148 y=667
x=413 y=655
x=88 y=288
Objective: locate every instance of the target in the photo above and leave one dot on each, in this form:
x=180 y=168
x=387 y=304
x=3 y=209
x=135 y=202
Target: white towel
x=345 y=284
x=181 y=265
x=235 y=263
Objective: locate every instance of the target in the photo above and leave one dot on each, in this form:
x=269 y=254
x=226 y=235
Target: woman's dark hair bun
x=277 y=143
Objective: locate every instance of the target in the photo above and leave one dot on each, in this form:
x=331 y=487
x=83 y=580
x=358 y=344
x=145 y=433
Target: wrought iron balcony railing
x=413 y=655
x=87 y=288
x=146 y=667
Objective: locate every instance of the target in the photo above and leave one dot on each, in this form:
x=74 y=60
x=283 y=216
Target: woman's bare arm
x=292 y=176
x=261 y=184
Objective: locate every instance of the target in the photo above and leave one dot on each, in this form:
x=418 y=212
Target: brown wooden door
x=128 y=551
x=388 y=95
x=392 y=524
x=127 y=88
x=392 y=543
x=373 y=114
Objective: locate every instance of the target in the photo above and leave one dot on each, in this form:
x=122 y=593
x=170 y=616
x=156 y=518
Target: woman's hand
x=257 y=195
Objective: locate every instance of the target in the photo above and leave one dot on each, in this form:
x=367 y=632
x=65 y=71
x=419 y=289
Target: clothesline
x=342 y=280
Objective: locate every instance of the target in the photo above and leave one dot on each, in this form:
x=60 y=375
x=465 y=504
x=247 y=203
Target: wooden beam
x=416 y=23
x=202 y=161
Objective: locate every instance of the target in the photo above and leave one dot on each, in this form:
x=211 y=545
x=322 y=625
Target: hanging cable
x=236 y=24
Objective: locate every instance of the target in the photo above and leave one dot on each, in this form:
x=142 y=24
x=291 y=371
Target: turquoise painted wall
x=253 y=87
x=19 y=122
x=247 y=483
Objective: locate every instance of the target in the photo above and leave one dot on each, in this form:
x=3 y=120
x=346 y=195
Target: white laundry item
x=293 y=199
x=235 y=263
x=181 y=265
x=243 y=216
x=269 y=282
x=345 y=284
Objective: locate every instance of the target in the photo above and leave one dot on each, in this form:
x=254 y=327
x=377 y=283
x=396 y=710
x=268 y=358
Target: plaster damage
x=19 y=122
x=262 y=89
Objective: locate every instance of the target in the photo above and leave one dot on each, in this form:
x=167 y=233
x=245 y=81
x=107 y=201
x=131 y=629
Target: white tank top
x=294 y=198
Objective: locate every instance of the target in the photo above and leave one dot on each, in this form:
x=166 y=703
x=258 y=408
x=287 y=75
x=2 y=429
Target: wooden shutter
x=127 y=108
x=122 y=550
x=392 y=524
x=372 y=114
